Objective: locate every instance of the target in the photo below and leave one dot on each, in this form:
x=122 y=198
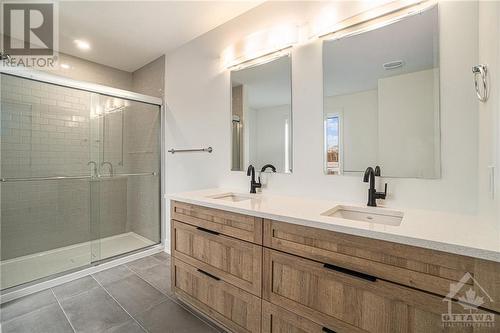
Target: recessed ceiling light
x=83 y=45
x=65 y=66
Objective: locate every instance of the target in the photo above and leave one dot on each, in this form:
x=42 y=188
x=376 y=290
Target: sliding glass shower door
x=79 y=178
x=125 y=205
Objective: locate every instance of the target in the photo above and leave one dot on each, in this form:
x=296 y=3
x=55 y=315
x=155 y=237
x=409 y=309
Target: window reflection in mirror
x=332 y=142
x=261 y=116
x=381 y=99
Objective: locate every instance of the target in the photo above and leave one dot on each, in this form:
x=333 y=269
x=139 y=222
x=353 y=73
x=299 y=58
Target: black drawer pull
x=327 y=330
x=208 y=274
x=207 y=230
x=360 y=275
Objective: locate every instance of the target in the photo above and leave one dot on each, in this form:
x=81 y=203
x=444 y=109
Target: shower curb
x=18 y=292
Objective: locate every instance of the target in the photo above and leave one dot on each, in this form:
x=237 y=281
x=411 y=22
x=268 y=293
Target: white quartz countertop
x=460 y=234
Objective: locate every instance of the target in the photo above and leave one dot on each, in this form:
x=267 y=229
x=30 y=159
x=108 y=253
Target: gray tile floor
x=135 y=297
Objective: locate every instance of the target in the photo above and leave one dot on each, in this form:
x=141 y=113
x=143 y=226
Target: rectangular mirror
x=381 y=99
x=261 y=116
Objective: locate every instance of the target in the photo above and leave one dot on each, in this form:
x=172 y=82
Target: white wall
x=198 y=92
x=408 y=121
x=360 y=128
x=489 y=113
x=267 y=136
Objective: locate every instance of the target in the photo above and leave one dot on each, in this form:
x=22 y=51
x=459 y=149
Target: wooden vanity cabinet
x=347 y=301
x=232 y=307
x=275 y=319
x=424 y=269
x=244 y=227
x=253 y=275
x=217 y=264
x=236 y=261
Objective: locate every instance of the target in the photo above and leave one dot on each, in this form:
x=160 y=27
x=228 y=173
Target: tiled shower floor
x=31 y=267
x=130 y=298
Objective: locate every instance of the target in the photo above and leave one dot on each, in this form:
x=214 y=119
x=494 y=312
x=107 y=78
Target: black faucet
x=270 y=166
x=373 y=195
x=253 y=183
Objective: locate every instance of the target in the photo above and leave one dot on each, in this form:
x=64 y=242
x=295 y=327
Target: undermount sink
x=233 y=197
x=366 y=214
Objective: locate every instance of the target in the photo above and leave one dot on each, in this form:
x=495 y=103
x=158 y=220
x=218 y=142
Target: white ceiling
x=355 y=64
x=129 y=34
x=266 y=85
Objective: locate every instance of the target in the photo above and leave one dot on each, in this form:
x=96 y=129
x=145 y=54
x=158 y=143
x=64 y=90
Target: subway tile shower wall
x=46 y=131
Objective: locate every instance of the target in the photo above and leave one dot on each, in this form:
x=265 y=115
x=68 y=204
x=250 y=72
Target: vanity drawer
x=234 y=308
x=240 y=226
x=339 y=298
x=234 y=261
x=275 y=319
x=415 y=267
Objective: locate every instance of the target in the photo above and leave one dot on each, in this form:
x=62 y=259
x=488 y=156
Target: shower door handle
x=35 y=179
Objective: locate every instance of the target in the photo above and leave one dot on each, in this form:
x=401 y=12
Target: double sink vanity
x=266 y=263
x=353 y=213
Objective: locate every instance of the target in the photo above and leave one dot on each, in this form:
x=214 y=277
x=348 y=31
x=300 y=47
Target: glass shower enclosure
x=79 y=178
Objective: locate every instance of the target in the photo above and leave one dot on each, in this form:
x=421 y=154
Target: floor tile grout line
x=160 y=262
x=78 y=293
x=182 y=305
x=173 y=299
x=142 y=278
x=157 y=259
x=25 y=314
x=58 y=300
x=152 y=285
x=62 y=309
x=168 y=297
x=133 y=318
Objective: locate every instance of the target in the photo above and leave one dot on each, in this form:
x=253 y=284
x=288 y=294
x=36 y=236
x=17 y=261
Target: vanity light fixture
x=260 y=47
x=376 y=18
